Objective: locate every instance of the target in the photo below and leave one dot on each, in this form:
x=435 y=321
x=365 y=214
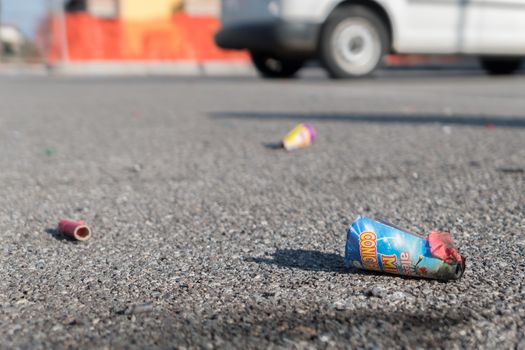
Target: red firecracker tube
x=75 y=229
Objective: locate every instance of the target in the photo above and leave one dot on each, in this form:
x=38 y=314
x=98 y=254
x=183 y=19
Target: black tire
x=501 y=66
x=270 y=66
x=353 y=42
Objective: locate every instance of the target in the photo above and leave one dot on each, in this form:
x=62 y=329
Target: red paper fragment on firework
x=441 y=246
x=75 y=229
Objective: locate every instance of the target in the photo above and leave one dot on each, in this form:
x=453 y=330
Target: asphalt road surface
x=205 y=236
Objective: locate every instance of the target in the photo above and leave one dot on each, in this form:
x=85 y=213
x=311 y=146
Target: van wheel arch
x=501 y=65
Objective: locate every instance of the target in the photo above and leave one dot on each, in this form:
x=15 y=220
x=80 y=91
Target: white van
x=351 y=37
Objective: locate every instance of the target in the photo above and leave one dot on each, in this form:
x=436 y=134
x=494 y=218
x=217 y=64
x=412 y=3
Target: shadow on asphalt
x=273 y=145
x=53 y=232
x=309 y=260
x=277 y=323
x=382 y=118
x=316 y=261
x=424 y=329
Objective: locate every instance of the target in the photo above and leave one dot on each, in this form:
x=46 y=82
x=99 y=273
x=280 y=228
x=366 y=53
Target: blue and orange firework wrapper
x=379 y=246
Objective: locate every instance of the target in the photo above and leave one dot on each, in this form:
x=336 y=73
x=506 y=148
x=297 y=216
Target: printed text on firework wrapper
x=368 y=251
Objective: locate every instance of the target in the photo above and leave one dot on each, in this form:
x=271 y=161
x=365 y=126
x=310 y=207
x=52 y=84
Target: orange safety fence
x=181 y=37
x=414 y=60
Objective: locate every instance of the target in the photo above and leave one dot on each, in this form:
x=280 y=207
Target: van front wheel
x=270 y=66
x=353 y=42
x=501 y=66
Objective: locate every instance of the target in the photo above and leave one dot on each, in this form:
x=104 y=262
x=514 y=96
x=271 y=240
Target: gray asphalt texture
x=204 y=236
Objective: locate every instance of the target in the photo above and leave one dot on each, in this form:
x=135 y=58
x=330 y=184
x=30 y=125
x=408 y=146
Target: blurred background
x=60 y=34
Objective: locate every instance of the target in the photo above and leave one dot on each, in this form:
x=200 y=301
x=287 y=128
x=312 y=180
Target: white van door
x=503 y=30
x=436 y=26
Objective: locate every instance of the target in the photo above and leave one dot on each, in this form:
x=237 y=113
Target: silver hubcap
x=356 y=46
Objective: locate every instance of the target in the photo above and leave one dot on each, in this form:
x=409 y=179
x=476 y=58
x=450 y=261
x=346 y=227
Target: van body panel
x=503 y=30
x=473 y=27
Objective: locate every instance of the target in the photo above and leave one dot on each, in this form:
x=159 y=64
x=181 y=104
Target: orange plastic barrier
x=182 y=37
x=407 y=60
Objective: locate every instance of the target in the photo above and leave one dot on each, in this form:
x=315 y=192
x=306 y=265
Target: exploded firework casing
x=379 y=246
x=303 y=135
x=75 y=229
